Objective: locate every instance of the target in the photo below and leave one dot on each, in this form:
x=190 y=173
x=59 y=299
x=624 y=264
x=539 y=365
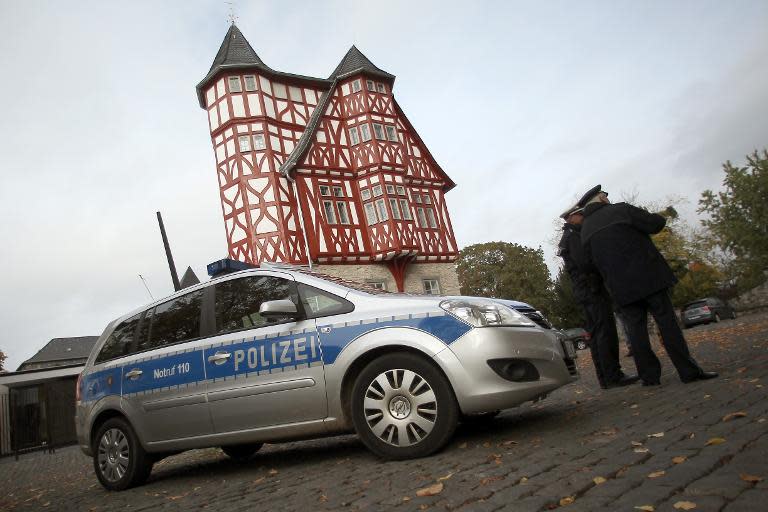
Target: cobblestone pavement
x=664 y=448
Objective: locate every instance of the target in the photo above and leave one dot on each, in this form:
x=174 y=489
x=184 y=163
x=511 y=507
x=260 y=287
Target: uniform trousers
x=604 y=344
x=635 y=316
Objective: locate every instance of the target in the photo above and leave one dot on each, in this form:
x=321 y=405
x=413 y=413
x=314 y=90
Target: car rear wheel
x=403 y=407
x=581 y=345
x=241 y=452
x=119 y=459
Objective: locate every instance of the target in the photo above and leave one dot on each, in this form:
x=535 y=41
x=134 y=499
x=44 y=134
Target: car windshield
x=696 y=304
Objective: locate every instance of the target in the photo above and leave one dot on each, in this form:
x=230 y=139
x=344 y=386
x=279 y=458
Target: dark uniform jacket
x=616 y=240
x=585 y=278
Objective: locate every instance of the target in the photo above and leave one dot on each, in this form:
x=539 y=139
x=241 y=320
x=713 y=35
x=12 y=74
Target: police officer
x=591 y=294
x=616 y=239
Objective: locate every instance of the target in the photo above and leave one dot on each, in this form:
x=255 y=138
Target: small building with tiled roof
x=61 y=352
x=328 y=173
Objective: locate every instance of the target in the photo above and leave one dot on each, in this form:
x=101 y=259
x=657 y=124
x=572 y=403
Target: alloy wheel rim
x=400 y=407
x=113 y=454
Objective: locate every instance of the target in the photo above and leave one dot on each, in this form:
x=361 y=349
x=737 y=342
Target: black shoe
x=701 y=376
x=651 y=383
x=623 y=381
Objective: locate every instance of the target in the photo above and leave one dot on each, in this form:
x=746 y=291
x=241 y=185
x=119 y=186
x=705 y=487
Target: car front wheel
x=403 y=407
x=119 y=459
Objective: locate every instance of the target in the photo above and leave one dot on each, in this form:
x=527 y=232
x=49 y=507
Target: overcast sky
x=525 y=105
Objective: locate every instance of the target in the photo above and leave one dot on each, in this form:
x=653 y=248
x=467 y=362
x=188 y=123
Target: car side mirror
x=278 y=308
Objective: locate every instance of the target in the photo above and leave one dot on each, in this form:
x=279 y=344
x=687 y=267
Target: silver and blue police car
x=267 y=355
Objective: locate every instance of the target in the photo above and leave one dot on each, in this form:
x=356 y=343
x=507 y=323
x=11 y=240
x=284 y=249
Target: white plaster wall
x=445 y=273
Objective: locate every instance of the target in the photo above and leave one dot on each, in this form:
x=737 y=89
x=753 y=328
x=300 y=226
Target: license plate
x=569 y=349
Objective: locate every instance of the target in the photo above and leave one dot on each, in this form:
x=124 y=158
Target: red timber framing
x=332 y=161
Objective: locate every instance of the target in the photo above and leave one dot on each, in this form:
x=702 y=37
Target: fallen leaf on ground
x=734 y=415
x=257 y=481
x=707 y=396
x=634 y=406
x=508 y=443
x=406 y=498
x=272 y=472
x=657 y=474
x=715 y=441
x=567 y=500
x=684 y=505
x=323 y=498
x=524 y=479
x=635 y=443
x=741 y=370
x=679 y=460
x=444 y=478
x=753 y=479
x=599 y=480
x=761 y=420
x=432 y=490
x=462 y=446
x=490 y=479
x=657 y=434
x=645 y=508
x=487 y=445
x=641 y=449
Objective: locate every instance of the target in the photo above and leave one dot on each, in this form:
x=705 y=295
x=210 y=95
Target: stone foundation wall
x=415 y=273
x=754 y=299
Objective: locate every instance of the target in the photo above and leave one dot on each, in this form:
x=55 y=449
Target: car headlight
x=485 y=313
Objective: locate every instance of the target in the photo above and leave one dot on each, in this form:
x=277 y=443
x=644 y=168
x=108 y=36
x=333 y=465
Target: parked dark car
x=704 y=311
x=580 y=337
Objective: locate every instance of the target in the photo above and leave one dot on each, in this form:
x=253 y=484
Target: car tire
x=119 y=459
x=581 y=345
x=403 y=407
x=241 y=452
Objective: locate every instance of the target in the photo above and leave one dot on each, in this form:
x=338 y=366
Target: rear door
x=262 y=372
x=163 y=381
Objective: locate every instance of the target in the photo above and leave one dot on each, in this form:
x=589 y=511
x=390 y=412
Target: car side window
x=175 y=321
x=319 y=303
x=238 y=301
x=119 y=343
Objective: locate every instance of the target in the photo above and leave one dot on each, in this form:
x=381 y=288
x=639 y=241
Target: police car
x=267 y=355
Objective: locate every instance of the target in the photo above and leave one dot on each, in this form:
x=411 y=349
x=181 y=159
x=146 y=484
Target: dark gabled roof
x=236 y=52
x=189 y=278
x=355 y=62
x=59 y=349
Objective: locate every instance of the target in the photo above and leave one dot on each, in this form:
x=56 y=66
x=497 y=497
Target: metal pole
x=171 y=265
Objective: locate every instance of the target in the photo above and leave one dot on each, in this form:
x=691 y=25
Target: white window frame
x=431 y=218
x=370 y=85
x=431 y=286
x=378 y=131
x=234 y=84
x=330 y=213
x=416 y=198
x=379 y=285
x=381 y=210
x=377 y=190
x=381 y=88
x=391 y=133
x=390 y=189
x=341 y=206
x=405 y=209
x=370 y=214
x=365 y=132
x=259 y=142
x=354 y=138
x=246 y=78
x=338 y=191
x=325 y=190
x=427 y=199
x=400 y=190
x=365 y=194
x=356 y=87
x=395 y=208
x=244 y=143
x=421 y=218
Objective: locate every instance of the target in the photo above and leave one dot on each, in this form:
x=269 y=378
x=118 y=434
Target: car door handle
x=219 y=357
x=133 y=374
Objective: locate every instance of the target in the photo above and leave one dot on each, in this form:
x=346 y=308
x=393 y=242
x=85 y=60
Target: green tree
x=3 y=357
x=738 y=217
x=505 y=271
x=565 y=312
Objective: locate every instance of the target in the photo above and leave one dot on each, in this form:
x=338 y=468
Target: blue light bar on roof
x=226 y=266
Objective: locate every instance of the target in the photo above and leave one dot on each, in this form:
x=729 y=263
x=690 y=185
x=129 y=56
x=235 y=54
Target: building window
x=258 y=141
x=353 y=136
x=365 y=132
x=431 y=286
x=391 y=133
x=244 y=142
x=370 y=85
x=370 y=214
x=391 y=189
x=378 y=131
x=234 y=84
x=381 y=88
x=377 y=190
x=343 y=216
x=431 y=218
x=250 y=83
x=379 y=285
x=325 y=190
x=406 y=209
x=356 y=86
x=400 y=190
x=381 y=209
x=417 y=197
x=338 y=192
x=329 y=213
x=421 y=218
x=427 y=199
x=365 y=194
x=394 y=208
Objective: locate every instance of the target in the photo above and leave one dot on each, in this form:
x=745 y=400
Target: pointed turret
x=355 y=62
x=235 y=51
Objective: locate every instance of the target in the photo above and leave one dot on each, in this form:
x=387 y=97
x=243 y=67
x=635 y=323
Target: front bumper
x=479 y=388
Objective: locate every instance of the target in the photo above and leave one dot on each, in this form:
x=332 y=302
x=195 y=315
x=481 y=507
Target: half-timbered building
x=327 y=172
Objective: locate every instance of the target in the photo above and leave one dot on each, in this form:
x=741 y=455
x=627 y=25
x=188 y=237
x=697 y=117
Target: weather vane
x=232 y=17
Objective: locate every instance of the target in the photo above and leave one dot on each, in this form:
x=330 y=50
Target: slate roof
x=60 y=349
x=355 y=62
